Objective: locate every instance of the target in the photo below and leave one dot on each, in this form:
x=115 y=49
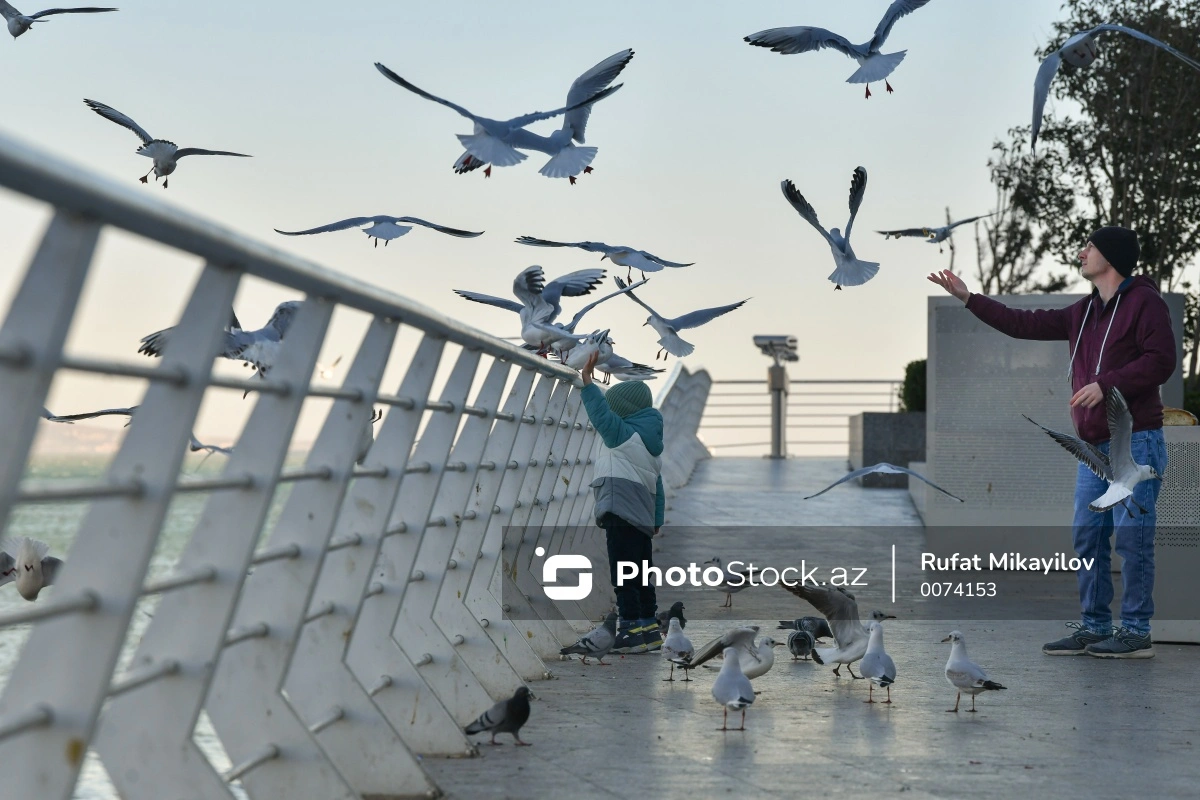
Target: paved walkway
x=1066 y=727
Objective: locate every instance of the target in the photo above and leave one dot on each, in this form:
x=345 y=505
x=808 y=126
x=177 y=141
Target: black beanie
x=1119 y=246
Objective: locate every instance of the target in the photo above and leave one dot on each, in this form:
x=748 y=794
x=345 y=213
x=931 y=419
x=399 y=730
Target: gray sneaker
x=1075 y=644
x=1124 y=643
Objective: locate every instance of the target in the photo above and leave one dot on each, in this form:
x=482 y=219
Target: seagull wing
x=394 y=78
x=738 y=637
x=1145 y=38
x=663 y=261
x=636 y=299
x=50 y=566
x=49 y=11
x=105 y=412
x=1041 y=90
x=804 y=209
x=488 y=299
x=906 y=232
x=587 y=85
x=352 y=222
x=839 y=608
x=591 y=247
x=538 y=116
x=282 y=318
x=895 y=11
x=954 y=225
x=8 y=572
x=112 y=115
x=849 y=476
x=1120 y=432
x=858 y=188
x=802 y=39
x=573 y=284
x=438 y=228
x=199 y=151
x=579 y=315
x=695 y=319
x=1087 y=454
x=8 y=12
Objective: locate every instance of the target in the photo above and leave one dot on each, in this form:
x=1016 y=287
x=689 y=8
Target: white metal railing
x=368 y=626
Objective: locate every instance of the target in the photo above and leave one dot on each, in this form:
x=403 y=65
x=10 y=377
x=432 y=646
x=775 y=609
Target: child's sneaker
x=629 y=640
x=652 y=638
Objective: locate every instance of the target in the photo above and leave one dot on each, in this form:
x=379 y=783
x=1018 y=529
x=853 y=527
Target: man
x=1118 y=336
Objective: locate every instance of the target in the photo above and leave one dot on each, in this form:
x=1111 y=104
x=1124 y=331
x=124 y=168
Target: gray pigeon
x=675 y=612
x=817 y=626
x=507 y=716
x=596 y=642
x=801 y=644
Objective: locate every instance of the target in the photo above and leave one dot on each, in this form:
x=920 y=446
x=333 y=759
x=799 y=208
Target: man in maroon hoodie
x=1118 y=336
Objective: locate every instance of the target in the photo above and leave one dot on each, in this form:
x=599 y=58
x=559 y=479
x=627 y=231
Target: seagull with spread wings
x=933 y=235
x=618 y=254
x=18 y=23
x=872 y=64
x=841 y=610
x=491 y=142
x=28 y=565
x=886 y=469
x=567 y=160
x=1080 y=51
x=849 y=270
x=668 y=329
x=165 y=154
x=382 y=228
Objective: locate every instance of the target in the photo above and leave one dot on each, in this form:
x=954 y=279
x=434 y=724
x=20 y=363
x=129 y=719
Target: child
x=629 y=497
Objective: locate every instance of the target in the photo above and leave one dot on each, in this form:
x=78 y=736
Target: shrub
x=912 y=391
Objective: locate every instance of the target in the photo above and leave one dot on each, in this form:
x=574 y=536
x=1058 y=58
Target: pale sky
x=691 y=154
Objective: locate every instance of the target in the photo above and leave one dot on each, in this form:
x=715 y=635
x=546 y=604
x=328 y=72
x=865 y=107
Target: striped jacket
x=626 y=480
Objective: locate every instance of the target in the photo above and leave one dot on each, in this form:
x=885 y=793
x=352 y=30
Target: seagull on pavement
x=758 y=662
x=676 y=646
x=18 y=23
x=668 y=329
x=628 y=257
x=849 y=634
x=165 y=154
x=933 y=235
x=877 y=666
x=886 y=469
x=732 y=689
x=849 y=270
x=1080 y=51
x=734 y=582
x=492 y=142
x=24 y=561
x=382 y=228
x=741 y=640
x=872 y=64
x=964 y=674
x=597 y=642
x=1117 y=466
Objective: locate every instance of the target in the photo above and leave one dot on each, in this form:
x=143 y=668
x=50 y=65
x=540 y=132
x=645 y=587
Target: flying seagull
x=382 y=228
x=964 y=674
x=1118 y=466
x=507 y=716
x=18 y=23
x=165 y=154
x=491 y=142
x=877 y=666
x=886 y=469
x=849 y=634
x=668 y=329
x=933 y=235
x=1080 y=51
x=619 y=254
x=24 y=561
x=872 y=64
x=104 y=412
x=849 y=271
x=566 y=160
x=597 y=643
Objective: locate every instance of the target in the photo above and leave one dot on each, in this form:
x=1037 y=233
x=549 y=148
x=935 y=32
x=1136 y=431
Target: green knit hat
x=628 y=397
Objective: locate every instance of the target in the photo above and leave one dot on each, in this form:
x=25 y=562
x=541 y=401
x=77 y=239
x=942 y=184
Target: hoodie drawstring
x=1104 y=341
x=1078 y=339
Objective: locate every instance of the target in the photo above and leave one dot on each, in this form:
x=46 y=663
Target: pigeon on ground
x=817 y=626
x=597 y=642
x=507 y=716
x=849 y=634
x=801 y=644
x=964 y=674
x=676 y=612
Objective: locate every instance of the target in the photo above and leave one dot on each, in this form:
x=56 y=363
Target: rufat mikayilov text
x=1004 y=561
x=739 y=574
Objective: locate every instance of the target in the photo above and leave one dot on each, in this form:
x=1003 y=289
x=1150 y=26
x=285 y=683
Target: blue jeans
x=1135 y=542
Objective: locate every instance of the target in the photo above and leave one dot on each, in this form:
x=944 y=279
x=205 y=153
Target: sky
x=691 y=154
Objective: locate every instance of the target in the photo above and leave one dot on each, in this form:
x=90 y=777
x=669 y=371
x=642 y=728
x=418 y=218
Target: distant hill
x=60 y=439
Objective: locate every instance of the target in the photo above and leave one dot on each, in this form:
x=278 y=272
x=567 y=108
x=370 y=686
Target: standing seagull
x=849 y=635
x=1118 y=466
x=734 y=581
x=628 y=257
x=567 y=160
x=597 y=642
x=872 y=64
x=849 y=271
x=165 y=154
x=507 y=716
x=877 y=666
x=18 y=23
x=758 y=660
x=491 y=142
x=1080 y=51
x=677 y=646
x=30 y=567
x=933 y=235
x=383 y=228
x=732 y=689
x=668 y=329
x=886 y=469
x=964 y=674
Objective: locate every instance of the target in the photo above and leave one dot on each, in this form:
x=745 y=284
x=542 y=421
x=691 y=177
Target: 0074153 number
x=949 y=589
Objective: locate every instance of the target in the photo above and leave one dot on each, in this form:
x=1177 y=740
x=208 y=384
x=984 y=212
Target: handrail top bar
x=753 y=381
x=68 y=187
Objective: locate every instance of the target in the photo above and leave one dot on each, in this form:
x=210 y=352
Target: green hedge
x=912 y=391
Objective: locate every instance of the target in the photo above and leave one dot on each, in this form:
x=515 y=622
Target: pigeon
x=492 y=140
x=676 y=645
x=732 y=689
x=877 y=666
x=1080 y=51
x=24 y=561
x=668 y=329
x=1118 y=466
x=18 y=23
x=567 y=160
x=367 y=437
x=872 y=64
x=933 y=235
x=757 y=662
x=848 y=269
x=507 y=716
x=800 y=644
x=816 y=626
x=964 y=674
x=886 y=469
x=597 y=642
x=383 y=228
x=628 y=257
x=674 y=612
x=735 y=581
x=165 y=154
x=849 y=634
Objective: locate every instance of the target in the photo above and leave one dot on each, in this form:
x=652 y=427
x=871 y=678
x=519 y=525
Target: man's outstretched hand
x=1089 y=396
x=951 y=283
